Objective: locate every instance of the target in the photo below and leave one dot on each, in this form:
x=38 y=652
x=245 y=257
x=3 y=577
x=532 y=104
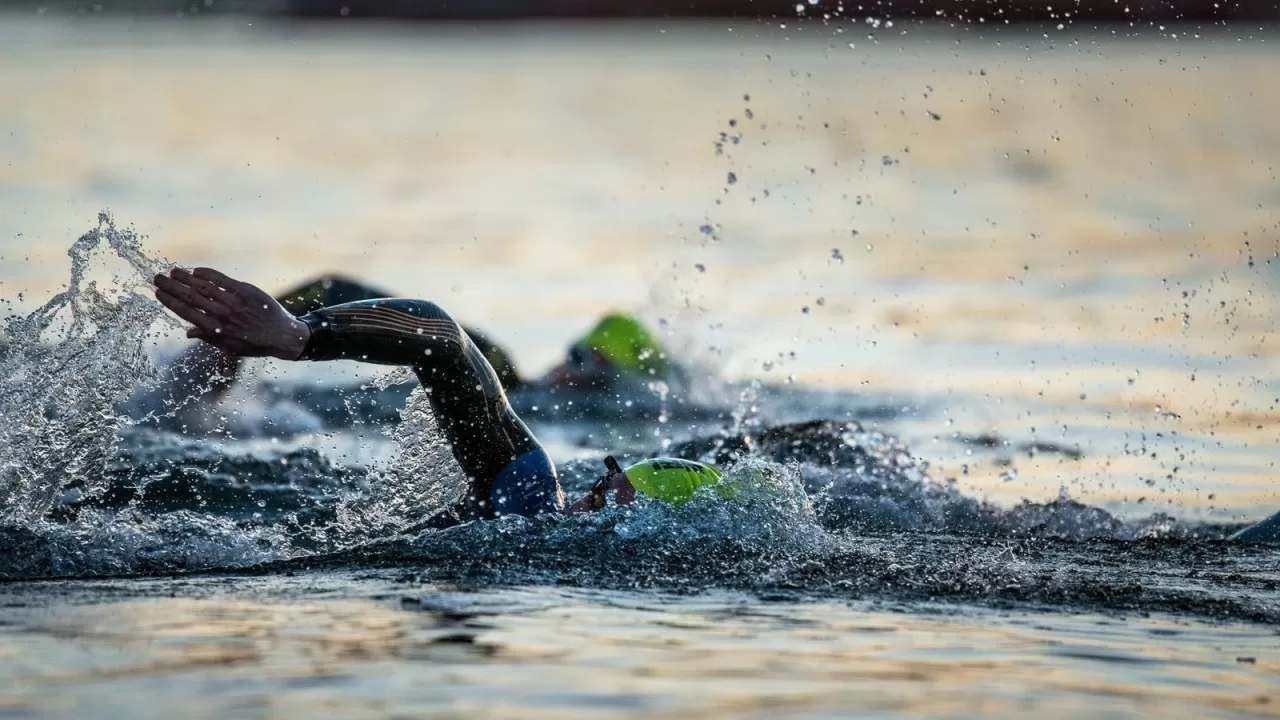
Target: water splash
x=422 y=479
x=66 y=371
x=100 y=543
x=770 y=511
x=68 y=365
x=772 y=540
x=770 y=527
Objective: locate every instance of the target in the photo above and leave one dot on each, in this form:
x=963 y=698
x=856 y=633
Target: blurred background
x=1015 y=221
x=978 y=11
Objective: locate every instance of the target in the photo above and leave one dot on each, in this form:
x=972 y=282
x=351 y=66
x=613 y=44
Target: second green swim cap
x=670 y=479
x=627 y=343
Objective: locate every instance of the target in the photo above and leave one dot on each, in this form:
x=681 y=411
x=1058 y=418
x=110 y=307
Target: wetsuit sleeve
x=468 y=401
x=328 y=290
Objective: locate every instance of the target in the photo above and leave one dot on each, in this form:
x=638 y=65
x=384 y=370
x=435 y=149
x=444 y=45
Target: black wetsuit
x=509 y=471
x=329 y=290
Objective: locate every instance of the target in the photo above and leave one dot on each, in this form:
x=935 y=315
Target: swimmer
x=618 y=349
x=510 y=472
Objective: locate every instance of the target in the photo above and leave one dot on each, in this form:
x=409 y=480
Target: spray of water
x=768 y=513
x=422 y=479
x=68 y=366
x=68 y=371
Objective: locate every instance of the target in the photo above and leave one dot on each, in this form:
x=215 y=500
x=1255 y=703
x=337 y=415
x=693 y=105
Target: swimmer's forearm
x=384 y=332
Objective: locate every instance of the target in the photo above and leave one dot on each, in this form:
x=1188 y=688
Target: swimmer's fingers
x=186 y=311
x=204 y=287
x=223 y=281
x=207 y=325
x=241 y=296
x=174 y=287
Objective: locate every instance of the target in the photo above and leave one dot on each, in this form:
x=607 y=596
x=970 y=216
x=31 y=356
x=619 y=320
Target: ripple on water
x=380 y=645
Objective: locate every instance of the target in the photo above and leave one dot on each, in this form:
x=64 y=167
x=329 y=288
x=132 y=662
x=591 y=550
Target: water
x=989 y=317
x=360 y=646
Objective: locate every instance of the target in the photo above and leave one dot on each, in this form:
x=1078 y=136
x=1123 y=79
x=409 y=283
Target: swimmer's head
x=621 y=342
x=671 y=480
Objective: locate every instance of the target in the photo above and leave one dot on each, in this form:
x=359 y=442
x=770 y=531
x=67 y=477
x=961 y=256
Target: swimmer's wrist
x=296 y=340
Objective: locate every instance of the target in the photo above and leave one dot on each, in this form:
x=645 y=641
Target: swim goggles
x=601 y=486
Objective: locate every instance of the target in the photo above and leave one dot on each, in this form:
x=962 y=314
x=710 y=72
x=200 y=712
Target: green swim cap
x=626 y=343
x=674 y=480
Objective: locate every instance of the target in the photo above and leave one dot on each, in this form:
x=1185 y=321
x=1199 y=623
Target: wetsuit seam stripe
x=444 y=327
x=394 y=333
x=397 y=313
x=436 y=328
x=390 y=313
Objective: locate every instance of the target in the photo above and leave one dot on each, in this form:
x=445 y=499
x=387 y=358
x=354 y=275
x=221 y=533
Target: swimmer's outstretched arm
x=508 y=467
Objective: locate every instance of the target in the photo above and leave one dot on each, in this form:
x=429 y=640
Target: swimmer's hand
x=230 y=315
